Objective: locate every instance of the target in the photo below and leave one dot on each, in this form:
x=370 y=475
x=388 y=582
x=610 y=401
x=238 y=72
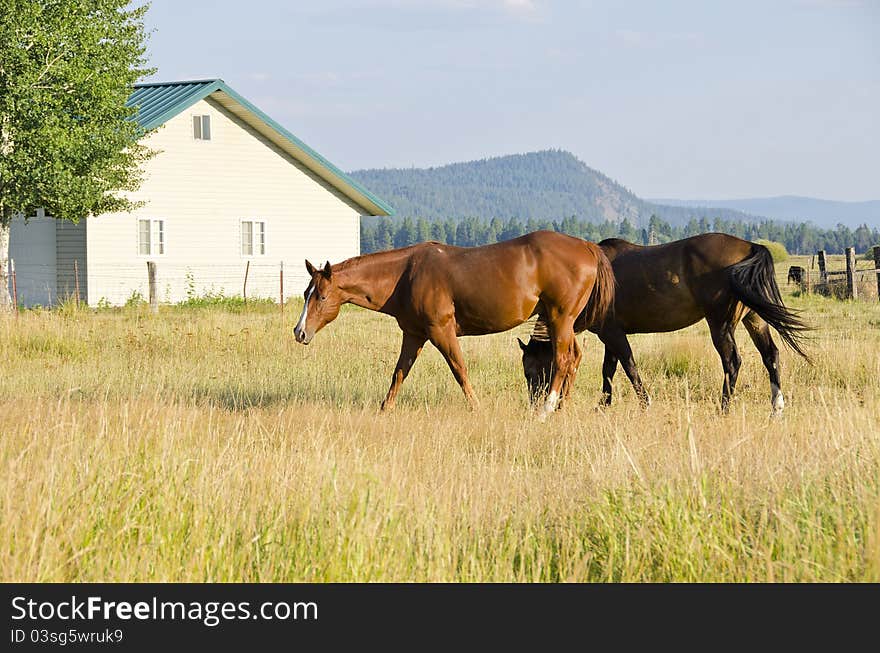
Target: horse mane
x=383 y=256
x=540 y=332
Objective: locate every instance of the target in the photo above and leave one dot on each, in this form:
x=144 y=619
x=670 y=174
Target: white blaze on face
x=301 y=325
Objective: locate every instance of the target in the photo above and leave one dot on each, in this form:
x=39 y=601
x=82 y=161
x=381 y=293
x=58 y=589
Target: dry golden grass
x=203 y=445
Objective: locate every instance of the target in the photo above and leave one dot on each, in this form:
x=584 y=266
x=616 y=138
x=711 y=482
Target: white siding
x=202 y=190
x=32 y=246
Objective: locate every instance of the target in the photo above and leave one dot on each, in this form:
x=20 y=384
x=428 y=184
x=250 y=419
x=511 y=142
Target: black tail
x=753 y=282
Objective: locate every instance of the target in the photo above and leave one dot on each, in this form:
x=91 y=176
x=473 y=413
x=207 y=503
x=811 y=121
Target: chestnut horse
x=716 y=277
x=438 y=292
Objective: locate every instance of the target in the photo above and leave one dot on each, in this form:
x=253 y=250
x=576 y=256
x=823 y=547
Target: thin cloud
x=630 y=37
x=636 y=39
x=520 y=5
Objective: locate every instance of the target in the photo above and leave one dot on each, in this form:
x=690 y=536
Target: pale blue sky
x=671 y=99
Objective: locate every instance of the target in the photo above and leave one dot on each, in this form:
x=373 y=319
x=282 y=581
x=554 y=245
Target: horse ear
x=522 y=345
x=310 y=268
x=327 y=271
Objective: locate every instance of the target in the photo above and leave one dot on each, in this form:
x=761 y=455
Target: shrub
x=135 y=299
x=217 y=299
x=777 y=250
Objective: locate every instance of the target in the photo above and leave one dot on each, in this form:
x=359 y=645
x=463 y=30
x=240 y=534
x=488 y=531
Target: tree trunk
x=5 y=298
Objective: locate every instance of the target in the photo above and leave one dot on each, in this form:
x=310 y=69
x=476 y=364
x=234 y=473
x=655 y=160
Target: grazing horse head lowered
x=537 y=361
x=430 y=290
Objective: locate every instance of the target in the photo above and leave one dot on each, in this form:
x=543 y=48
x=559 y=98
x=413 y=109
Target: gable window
x=253 y=238
x=151 y=237
x=202 y=128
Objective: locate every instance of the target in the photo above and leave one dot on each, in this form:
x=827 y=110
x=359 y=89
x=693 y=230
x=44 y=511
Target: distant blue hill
x=547 y=185
x=824 y=213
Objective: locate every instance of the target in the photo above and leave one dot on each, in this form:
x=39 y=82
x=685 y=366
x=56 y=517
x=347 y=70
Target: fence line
x=207 y=277
x=847 y=279
x=14 y=285
x=257 y=279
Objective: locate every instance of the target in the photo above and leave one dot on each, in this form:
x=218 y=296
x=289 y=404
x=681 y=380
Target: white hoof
x=549 y=406
x=778 y=401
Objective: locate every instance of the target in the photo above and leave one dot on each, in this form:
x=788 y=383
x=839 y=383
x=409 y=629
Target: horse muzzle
x=302 y=336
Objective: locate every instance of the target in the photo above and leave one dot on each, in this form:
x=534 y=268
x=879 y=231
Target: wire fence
x=46 y=284
x=858 y=279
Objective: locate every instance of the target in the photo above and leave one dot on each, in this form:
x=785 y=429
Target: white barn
x=228 y=186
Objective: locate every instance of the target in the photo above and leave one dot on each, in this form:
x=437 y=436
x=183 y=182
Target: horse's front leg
x=563 y=358
x=568 y=382
x=409 y=351
x=618 y=345
x=609 y=367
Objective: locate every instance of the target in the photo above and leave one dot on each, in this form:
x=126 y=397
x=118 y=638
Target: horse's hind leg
x=617 y=346
x=725 y=345
x=446 y=342
x=409 y=351
x=759 y=331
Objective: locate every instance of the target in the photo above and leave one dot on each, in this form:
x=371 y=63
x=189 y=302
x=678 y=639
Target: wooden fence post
x=76 y=280
x=852 y=286
x=154 y=295
x=247 y=268
x=823 y=273
x=14 y=285
x=877 y=269
x=281 y=287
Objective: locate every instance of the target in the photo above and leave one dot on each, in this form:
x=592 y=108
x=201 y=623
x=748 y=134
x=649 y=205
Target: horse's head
x=322 y=302
x=537 y=360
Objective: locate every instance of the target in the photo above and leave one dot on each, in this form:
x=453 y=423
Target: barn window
x=151 y=237
x=202 y=128
x=253 y=238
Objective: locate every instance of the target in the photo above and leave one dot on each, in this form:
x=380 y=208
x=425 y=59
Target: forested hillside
x=547 y=185
x=485 y=201
x=799 y=238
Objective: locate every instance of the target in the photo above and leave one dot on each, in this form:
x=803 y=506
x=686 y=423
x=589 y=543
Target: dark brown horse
x=716 y=277
x=438 y=292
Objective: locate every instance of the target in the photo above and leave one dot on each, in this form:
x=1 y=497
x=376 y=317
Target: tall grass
x=205 y=445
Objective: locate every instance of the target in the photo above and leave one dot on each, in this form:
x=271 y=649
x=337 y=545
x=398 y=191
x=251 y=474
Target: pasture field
x=204 y=444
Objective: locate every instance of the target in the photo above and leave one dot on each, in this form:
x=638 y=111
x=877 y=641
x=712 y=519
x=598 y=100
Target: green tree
x=68 y=144
x=438 y=232
x=384 y=235
x=405 y=234
x=512 y=229
x=423 y=230
x=368 y=237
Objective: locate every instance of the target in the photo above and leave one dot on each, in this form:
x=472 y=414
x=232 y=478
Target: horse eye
x=323 y=298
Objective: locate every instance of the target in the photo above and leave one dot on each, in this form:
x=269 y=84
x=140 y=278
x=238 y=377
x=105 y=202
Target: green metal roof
x=158 y=102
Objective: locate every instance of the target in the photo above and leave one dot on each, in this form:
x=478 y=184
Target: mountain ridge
x=547 y=184
x=824 y=213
